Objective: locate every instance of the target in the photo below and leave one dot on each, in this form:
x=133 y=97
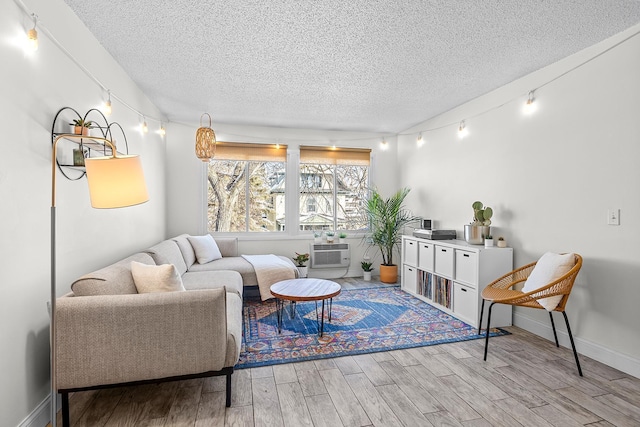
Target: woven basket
x=205 y=141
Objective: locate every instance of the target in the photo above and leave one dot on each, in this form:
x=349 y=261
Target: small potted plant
x=81 y=126
x=366 y=269
x=301 y=260
x=501 y=242
x=317 y=236
x=330 y=236
x=488 y=241
x=479 y=228
x=342 y=236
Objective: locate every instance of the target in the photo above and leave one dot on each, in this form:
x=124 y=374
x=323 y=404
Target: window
x=336 y=180
x=246 y=188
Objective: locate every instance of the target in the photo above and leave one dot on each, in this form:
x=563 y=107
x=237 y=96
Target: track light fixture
x=462 y=130
x=107 y=105
x=420 y=140
x=32 y=35
x=162 y=131
x=144 y=127
x=530 y=106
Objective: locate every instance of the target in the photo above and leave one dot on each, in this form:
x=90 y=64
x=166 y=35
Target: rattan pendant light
x=205 y=141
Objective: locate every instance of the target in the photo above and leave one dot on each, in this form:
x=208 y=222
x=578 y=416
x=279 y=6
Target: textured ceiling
x=361 y=65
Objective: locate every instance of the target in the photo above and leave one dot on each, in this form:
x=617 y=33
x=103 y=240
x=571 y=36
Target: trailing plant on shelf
x=301 y=259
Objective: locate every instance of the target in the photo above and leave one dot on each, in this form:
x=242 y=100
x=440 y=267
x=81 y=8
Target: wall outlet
x=613 y=216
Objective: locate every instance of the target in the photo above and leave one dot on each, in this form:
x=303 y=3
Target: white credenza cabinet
x=450 y=275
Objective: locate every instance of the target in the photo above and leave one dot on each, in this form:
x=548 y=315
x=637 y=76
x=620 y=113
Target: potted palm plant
x=387 y=218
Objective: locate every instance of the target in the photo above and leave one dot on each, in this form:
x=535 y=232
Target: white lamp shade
x=116 y=182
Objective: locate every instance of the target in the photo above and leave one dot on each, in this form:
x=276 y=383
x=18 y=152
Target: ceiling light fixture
x=530 y=105
x=384 y=144
x=144 y=127
x=107 y=105
x=32 y=35
x=162 y=131
x=462 y=130
x=205 y=141
x=420 y=140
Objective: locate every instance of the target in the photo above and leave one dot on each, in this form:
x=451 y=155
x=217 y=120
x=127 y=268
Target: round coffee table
x=295 y=290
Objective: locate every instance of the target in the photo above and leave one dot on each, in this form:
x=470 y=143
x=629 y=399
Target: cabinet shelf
x=451 y=274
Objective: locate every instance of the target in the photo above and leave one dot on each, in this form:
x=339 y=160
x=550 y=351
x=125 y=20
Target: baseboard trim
x=40 y=416
x=595 y=351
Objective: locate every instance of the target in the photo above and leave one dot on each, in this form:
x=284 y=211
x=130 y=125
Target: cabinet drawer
x=466 y=267
x=444 y=261
x=410 y=252
x=465 y=303
x=410 y=278
x=425 y=256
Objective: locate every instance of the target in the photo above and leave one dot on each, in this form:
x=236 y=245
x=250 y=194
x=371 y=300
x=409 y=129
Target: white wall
x=186 y=183
x=33 y=88
x=550 y=178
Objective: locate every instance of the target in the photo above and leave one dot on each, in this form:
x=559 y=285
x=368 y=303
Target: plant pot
x=474 y=234
x=303 y=271
x=502 y=243
x=329 y=239
x=367 y=276
x=388 y=273
x=80 y=130
x=488 y=243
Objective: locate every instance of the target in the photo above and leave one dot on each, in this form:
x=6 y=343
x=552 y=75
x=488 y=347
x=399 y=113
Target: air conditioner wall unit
x=330 y=255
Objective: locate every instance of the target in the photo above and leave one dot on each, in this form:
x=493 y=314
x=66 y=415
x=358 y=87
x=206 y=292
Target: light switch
x=613 y=217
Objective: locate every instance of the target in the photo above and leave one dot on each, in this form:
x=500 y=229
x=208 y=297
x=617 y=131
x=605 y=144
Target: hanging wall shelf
x=70 y=157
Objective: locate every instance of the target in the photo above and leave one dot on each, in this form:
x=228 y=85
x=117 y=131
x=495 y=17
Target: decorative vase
x=474 y=234
x=488 y=243
x=367 y=276
x=502 y=243
x=78 y=157
x=388 y=273
x=329 y=239
x=303 y=271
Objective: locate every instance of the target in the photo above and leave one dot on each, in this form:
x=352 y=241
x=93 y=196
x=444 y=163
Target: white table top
x=305 y=289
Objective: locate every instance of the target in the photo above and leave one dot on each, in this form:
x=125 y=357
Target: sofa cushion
x=228 y=246
x=116 y=279
x=187 y=250
x=168 y=252
x=212 y=280
x=234 y=328
x=238 y=264
x=156 y=278
x=205 y=248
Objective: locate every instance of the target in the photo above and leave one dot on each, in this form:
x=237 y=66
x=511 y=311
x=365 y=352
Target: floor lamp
x=114 y=182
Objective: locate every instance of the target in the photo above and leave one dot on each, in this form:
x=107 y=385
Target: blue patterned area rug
x=363 y=321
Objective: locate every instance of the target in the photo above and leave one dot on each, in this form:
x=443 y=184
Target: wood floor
x=525 y=381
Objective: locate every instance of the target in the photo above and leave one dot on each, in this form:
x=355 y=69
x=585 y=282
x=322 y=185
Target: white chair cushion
x=156 y=278
x=549 y=268
x=205 y=247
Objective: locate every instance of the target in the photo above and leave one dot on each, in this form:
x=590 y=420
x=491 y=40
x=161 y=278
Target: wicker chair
x=500 y=292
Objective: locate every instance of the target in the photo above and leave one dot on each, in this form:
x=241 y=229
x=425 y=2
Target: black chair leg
x=481 y=313
x=573 y=345
x=553 y=325
x=486 y=341
x=65 y=410
x=228 y=403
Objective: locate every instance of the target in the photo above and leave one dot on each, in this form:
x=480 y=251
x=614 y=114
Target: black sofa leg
x=228 y=390
x=573 y=346
x=481 y=313
x=486 y=341
x=553 y=325
x=65 y=410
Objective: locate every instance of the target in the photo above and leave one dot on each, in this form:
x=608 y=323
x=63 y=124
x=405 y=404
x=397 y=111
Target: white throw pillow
x=549 y=267
x=205 y=247
x=156 y=278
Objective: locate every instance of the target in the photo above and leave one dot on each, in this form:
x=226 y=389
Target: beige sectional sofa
x=108 y=334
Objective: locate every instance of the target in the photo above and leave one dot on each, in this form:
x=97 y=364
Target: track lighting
x=420 y=140
x=162 y=130
x=32 y=35
x=144 y=127
x=107 y=105
x=462 y=130
x=530 y=105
